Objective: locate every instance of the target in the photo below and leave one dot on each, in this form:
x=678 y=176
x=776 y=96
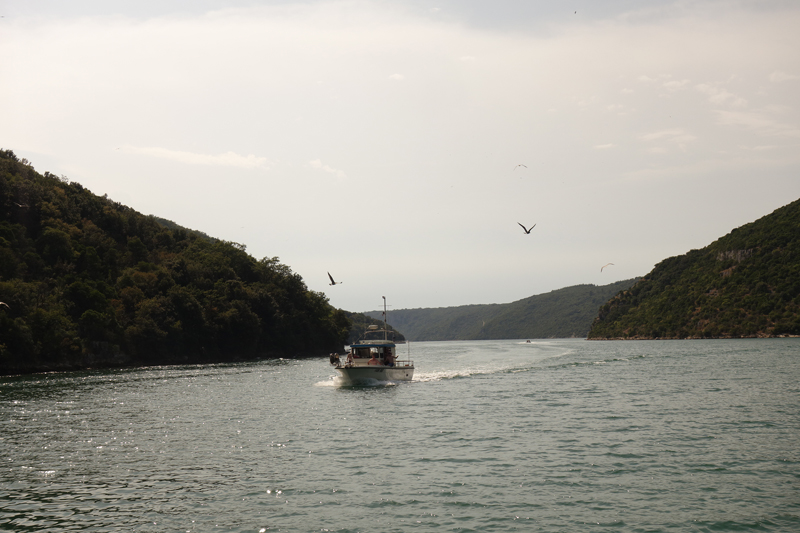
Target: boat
x=373 y=358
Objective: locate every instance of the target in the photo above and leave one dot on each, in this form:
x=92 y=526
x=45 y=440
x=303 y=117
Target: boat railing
x=343 y=361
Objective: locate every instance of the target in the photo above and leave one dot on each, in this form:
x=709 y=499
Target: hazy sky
x=380 y=140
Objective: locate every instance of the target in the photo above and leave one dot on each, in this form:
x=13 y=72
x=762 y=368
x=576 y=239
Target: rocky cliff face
x=734 y=255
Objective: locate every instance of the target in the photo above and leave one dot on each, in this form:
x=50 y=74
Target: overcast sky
x=381 y=140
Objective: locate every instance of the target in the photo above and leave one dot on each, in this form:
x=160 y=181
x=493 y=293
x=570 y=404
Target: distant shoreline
x=639 y=338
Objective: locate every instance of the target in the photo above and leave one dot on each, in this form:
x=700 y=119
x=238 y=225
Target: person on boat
x=388 y=359
x=372 y=361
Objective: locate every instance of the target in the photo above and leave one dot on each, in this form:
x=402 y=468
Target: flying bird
x=527 y=231
x=333 y=282
x=520 y=165
x=602 y=267
x=3 y=303
x=20 y=205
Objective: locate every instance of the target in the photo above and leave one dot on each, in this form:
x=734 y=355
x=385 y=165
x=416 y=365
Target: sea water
x=547 y=435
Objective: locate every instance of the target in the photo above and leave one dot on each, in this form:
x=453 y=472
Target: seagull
x=333 y=282
x=520 y=165
x=3 y=303
x=527 y=231
x=20 y=205
x=602 y=267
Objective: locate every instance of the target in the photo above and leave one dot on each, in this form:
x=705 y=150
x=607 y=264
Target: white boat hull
x=366 y=374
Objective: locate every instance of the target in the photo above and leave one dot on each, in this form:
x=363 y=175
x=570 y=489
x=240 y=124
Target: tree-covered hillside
x=566 y=312
x=746 y=284
x=89 y=282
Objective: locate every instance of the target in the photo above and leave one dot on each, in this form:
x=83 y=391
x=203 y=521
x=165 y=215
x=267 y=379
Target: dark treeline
x=89 y=282
x=746 y=284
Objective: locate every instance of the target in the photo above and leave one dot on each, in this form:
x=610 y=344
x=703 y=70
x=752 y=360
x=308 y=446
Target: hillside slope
x=746 y=284
x=89 y=282
x=566 y=312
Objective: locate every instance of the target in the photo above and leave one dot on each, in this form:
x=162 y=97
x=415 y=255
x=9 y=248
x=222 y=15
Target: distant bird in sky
x=602 y=267
x=333 y=282
x=520 y=165
x=527 y=231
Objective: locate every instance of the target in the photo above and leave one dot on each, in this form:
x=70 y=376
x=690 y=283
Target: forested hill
x=88 y=282
x=746 y=284
x=561 y=313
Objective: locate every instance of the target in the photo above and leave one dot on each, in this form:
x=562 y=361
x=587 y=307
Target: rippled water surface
x=564 y=435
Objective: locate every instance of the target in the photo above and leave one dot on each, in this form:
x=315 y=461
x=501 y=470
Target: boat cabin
x=366 y=353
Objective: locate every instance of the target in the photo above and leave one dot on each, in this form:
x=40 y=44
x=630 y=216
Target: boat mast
x=384 y=318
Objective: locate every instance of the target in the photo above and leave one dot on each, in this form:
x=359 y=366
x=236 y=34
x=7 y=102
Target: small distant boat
x=373 y=358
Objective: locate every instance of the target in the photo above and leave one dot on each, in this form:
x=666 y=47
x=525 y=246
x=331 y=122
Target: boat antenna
x=384 y=318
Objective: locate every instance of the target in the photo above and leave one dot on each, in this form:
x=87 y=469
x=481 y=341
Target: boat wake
x=512 y=367
x=450 y=374
x=467 y=373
